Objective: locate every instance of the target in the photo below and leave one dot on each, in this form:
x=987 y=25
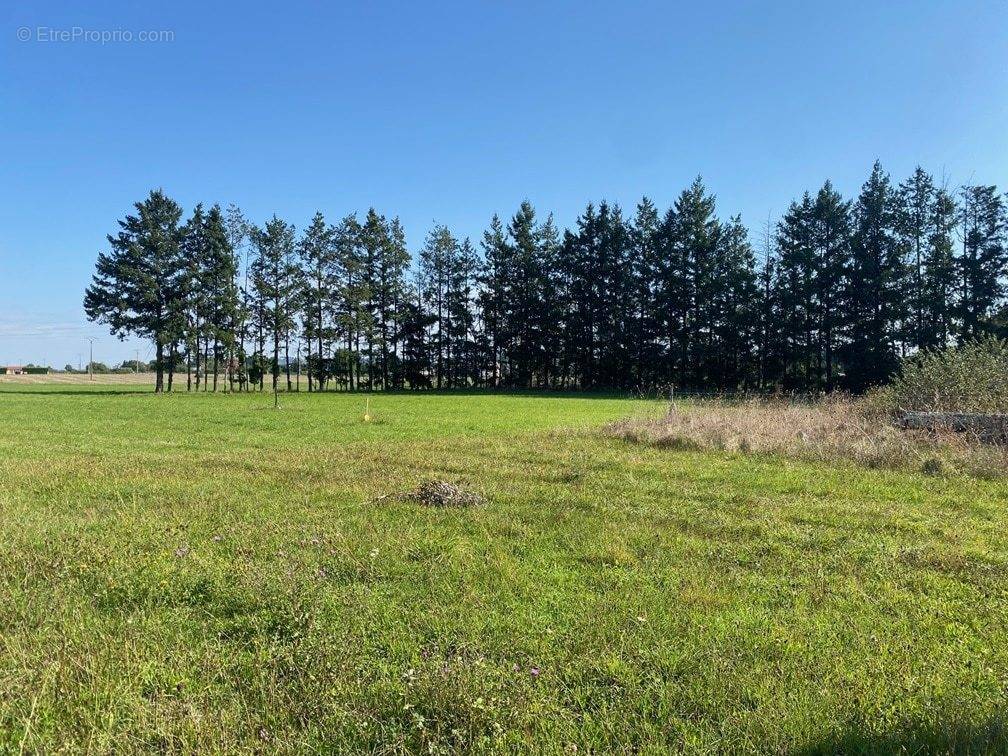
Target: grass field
x=199 y=572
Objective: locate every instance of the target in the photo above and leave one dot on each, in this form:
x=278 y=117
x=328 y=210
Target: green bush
x=968 y=378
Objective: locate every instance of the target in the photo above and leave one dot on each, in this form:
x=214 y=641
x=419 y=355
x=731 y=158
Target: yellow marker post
x=367 y=410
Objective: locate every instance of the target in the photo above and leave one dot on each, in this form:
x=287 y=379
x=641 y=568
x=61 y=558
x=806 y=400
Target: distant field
x=205 y=573
x=77 y=379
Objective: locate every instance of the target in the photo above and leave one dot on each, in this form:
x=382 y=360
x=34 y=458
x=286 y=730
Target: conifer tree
x=220 y=271
x=136 y=286
x=877 y=284
x=351 y=294
x=317 y=253
x=237 y=229
x=393 y=261
x=642 y=312
x=494 y=280
x=275 y=280
x=435 y=264
x=983 y=259
x=915 y=227
x=939 y=278
x=796 y=267
x=832 y=263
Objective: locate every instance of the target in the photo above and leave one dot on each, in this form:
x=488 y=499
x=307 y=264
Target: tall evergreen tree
x=832 y=263
x=318 y=256
x=237 y=228
x=390 y=284
x=983 y=261
x=195 y=302
x=696 y=236
x=737 y=326
x=494 y=280
x=136 y=286
x=220 y=272
x=275 y=280
x=877 y=284
x=796 y=267
x=461 y=316
x=373 y=242
x=939 y=277
x=435 y=265
x=642 y=309
x=351 y=295
x=915 y=220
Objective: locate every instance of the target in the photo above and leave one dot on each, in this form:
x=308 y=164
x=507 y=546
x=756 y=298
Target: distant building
x=22 y=370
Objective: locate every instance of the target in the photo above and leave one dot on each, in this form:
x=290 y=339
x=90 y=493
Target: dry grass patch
x=836 y=429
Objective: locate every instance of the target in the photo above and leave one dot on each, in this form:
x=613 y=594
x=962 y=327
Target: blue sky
x=449 y=112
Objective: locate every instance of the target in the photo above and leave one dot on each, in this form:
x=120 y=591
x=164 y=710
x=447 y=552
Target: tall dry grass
x=834 y=429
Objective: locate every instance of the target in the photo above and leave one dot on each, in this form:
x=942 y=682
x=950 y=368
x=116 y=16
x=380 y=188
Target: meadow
x=203 y=572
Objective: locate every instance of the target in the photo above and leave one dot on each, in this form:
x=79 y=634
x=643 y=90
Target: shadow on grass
x=989 y=737
x=149 y=390
x=77 y=392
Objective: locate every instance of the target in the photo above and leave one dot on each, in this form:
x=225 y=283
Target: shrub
x=968 y=378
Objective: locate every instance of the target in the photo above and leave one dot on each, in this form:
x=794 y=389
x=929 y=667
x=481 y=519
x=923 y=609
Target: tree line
x=831 y=296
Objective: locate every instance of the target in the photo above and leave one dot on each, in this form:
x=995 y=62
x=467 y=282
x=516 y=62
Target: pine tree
x=983 y=260
x=399 y=261
x=351 y=294
x=237 y=229
x=415 y=325
x=318 y=255
x=374 y=241
x=436 y=259
x=461 y=281
x=136 y=288
x=612 y=290
x=642 y=310
x=192 y=314
x=275 y=280
x=390 y=283
x=770 y=362
x=220 y=270
x=796 y=267
x=939 y=276
x=832 y=263
x=550 y=313
x=915 y=220
x=493 y=297
x=877 y=284
x=696 y=238
x=581 y=257
x=737 y=326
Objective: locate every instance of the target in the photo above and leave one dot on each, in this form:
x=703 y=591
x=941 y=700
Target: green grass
x=198 y=572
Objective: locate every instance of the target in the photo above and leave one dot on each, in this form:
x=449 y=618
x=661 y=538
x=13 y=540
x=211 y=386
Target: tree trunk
x=171 y=366
x=276 y=359
x=159 y=380
x=321 y=367
x=287 y=360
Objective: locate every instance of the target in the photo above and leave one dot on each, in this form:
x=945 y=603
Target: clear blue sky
x=449 y=112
